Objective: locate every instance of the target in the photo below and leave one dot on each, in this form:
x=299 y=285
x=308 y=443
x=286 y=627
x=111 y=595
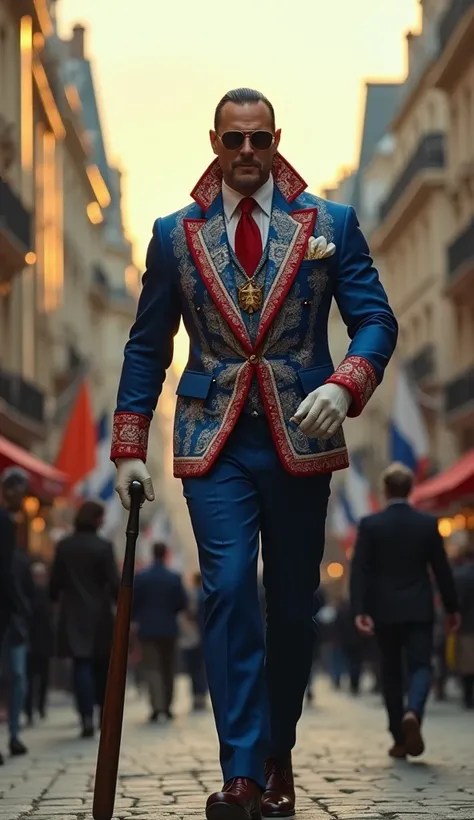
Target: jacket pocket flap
x=313 y=377
x=194 y=385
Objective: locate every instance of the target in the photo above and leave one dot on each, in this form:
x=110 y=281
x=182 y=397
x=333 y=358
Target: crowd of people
x=66 y=611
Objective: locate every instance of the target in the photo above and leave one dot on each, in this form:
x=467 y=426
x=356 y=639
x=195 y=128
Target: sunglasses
x=260 y=140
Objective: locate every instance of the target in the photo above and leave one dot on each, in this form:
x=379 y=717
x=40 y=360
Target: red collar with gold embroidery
x=287 y=180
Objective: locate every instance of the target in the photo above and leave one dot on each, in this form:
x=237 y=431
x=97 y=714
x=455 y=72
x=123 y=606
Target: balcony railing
x=459 y=393
x=22 y=396
x=423 y=366
x=429 y=154
x=14 y=216
x=451 y=19
x=461 y=251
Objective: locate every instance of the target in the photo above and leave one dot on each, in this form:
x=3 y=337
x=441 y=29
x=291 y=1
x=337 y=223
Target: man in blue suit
x=158 y=598
x=252 y=267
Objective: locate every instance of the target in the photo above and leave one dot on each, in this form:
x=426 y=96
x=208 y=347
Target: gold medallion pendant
x=250 y=297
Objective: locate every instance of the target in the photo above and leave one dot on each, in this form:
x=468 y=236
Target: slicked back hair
x=241 y=96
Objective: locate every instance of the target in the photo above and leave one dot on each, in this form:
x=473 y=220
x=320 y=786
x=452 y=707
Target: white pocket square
x=319 y=248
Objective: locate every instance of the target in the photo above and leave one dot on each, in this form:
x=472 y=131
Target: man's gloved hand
x=128 y=470
x=322 y=412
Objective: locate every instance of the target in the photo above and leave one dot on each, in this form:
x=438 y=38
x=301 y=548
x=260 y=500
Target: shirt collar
x=392 y=501
x=263 y=197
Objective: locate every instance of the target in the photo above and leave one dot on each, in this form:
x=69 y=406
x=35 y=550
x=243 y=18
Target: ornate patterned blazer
x=273 y=340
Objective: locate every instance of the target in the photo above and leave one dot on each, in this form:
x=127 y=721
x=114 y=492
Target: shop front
x=47 y=488
x=450 y=496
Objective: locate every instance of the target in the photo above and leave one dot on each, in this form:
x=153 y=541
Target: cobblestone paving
x=342 y=768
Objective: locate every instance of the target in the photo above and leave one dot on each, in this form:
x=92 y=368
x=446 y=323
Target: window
x=429 y=323
x=3 y=63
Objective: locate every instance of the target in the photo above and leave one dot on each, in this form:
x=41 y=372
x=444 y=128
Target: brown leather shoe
x=398 y=751
x=238 y=800
x=414 y=742
x=279 y=797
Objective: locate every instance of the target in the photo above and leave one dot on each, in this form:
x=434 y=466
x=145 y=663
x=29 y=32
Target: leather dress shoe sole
x=414 y=743
x=226 y=811
x=275 y=813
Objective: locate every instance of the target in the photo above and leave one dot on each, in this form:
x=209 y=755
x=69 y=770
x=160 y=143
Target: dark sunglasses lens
x=261 y=140
x=232 y=140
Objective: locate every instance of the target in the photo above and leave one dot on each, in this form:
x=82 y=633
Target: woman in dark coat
x=85 y=582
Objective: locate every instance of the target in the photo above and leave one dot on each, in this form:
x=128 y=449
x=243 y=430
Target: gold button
x=252 y=358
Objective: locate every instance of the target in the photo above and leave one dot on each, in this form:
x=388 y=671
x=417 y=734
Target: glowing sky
x=160 y=68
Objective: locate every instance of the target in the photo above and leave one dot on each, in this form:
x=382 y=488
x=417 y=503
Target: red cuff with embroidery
x=358 y=376
x=129 y=436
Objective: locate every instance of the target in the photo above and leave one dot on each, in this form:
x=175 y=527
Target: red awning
x=45 y=481
x=452 y=485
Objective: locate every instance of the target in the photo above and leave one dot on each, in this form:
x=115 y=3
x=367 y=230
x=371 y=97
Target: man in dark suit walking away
x=159 y=596
x=392 y=595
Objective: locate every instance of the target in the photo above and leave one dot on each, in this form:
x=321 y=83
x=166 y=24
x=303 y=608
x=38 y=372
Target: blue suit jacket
x=190 y=274
x=158 y=597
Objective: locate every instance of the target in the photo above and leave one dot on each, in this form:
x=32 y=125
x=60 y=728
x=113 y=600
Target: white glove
x=128 y=470
x=322 y=412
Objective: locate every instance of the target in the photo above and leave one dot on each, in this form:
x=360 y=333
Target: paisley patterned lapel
x=288 y=239
x=207 y=241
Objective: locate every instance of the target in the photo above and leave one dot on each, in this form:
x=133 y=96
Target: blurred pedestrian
x=85 y=582
x=351 y=644
x=41 y=643
x=158 y=597
x=17 y=601
x=392 y=595
x=464 y=649
x=191 y=642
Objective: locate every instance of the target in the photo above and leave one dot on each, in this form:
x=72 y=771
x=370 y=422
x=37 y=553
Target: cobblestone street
x=341 y=764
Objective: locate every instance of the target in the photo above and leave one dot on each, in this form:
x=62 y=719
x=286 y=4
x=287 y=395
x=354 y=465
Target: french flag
x=100 y=483
x=409 y=436
x=341 y=523
x=360 y=498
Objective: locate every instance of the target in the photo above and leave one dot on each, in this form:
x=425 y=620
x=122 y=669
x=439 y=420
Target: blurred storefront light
x=461 y=521
x=38 y=525
x=335 y=570
x=31 y=506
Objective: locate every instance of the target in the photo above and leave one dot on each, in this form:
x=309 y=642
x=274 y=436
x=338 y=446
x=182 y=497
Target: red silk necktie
x=248 y=240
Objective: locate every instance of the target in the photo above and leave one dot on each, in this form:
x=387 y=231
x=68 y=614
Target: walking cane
x=112 y=716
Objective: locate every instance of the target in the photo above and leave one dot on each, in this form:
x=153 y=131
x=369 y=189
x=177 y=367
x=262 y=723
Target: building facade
x=68 y=283
x=415 y=204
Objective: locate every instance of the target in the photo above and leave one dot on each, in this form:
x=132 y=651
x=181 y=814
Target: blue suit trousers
x=257 y=682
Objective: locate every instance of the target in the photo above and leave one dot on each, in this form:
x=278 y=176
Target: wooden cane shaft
x=112 y=719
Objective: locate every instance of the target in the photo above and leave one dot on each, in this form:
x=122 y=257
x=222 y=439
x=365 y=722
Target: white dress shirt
x=262 y=213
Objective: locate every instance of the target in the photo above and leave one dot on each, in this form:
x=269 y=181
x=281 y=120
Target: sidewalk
x=166 y=772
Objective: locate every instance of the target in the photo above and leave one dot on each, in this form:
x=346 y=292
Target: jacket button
x=306 y=302
x=253 y=358
x=214 y=380
x=198 y=309
x=255 y=414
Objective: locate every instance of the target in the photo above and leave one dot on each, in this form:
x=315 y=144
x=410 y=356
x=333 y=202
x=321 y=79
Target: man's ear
x=213 y=140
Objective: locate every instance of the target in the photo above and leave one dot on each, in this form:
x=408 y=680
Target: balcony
x=22 y=409
x=459 y=397
x=429 y=154
x=455 y=35
x=460 y=273
x=15 y=232
x=422 y=367
x=423 y=173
